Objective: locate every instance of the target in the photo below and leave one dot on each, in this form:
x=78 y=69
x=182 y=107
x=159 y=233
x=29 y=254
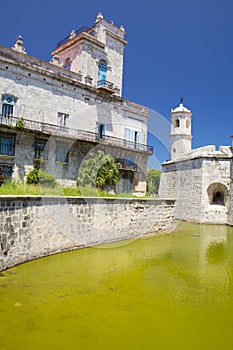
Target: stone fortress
x=199 y=179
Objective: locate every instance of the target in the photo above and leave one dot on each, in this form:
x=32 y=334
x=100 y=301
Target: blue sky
x=175 y=48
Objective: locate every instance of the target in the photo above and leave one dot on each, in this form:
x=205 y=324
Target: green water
x=162 y=292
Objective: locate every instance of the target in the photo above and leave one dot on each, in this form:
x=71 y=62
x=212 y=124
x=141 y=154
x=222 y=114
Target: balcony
x=106 y=86
x=82 y=135
x=126 y=164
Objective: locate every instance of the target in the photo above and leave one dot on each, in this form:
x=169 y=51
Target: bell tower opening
x=176 y=123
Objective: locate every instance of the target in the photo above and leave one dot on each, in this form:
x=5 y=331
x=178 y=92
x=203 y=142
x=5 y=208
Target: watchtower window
x=176 y=123
x=187 y=123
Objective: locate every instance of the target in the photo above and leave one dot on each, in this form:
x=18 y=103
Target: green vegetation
x=152 y=182
x=97 y=174
x=19 y=188
x=37 y=176
x=20 y=124
x=99 y=170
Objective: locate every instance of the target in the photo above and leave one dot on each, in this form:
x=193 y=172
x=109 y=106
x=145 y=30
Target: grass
x=19 y=188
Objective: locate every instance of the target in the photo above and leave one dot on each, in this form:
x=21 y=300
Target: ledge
x=83 y=198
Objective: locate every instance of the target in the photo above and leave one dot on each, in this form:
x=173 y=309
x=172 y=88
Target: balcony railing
x=77 y=32
x=126 y=164
x=82 y=135
x=105 y=84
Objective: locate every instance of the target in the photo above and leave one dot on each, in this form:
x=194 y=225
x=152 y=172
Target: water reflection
x=171 y=291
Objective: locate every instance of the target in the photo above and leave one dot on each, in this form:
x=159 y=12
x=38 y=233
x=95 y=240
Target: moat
x=168 y=291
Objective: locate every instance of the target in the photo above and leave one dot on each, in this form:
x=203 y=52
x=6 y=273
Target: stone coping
x=94 y=199
x=196 y=156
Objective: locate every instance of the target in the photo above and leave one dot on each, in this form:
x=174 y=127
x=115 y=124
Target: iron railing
x=81 y=135
x=77 y=32
x=126 y=164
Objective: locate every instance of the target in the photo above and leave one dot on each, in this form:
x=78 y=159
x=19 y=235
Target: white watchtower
x=180 y=137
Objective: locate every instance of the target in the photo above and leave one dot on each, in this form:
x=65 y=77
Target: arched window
x=8 y=103
x=102 y=73
x=187 y=123
x=176 y=123
x=217 y=194
x=67 y=64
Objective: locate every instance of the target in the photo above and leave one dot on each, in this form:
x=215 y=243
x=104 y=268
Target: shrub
x=152 y=181
x=20 y=124
x=99 y=170
x=37 y=176
x=2 y=177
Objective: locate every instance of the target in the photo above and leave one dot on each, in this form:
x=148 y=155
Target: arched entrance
x=217 y=194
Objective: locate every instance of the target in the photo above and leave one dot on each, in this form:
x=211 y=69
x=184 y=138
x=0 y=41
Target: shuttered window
x=7 y=144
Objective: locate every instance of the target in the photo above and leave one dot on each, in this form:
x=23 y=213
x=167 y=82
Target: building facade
x=62 y=110
x=199 y=179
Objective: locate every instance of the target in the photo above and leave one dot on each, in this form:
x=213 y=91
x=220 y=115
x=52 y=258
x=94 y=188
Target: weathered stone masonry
x=33 y=227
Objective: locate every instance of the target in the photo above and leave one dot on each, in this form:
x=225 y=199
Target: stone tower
x=95 y=54
x=180 y=137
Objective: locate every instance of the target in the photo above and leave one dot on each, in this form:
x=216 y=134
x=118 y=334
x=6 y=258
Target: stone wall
x=33 y=227
x=182 y=181
x=215 y=171
x=188 y=182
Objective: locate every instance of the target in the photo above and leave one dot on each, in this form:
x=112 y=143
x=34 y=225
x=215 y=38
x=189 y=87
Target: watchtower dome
x=180 y=137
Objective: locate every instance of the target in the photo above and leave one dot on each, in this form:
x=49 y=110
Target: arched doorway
x=217 y=194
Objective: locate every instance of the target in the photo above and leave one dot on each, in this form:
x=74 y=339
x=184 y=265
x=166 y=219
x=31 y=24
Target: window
x=187 y=123
x=102 y=73
x=8 y=103
x=92 y=33
x=176 y=123
x=62 y=152
x=62 y=119
x=101 y=131
x=41 y=151
x=7 y=170
x=134 y=139
x=67 y=64
x=7 y=144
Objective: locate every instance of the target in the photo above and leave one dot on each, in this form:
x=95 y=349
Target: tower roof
x=180 y=108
